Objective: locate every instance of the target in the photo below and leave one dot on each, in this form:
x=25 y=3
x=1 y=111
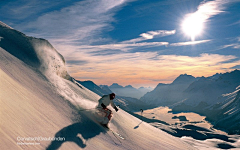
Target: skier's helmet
x=112 y=96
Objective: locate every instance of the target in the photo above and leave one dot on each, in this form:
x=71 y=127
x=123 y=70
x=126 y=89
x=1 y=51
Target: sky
x=134 y=42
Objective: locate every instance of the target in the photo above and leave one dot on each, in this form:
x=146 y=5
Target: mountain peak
x=35 y=52
x=215 y=76
x=87 y=81
x=161 y=84
x=115 y=85
x=235 y=72
x=231 y=76
x=184 y=78
x=129 y=86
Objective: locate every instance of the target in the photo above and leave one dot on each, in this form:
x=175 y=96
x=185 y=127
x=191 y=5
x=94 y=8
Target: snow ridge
x=35 y=52
x=5 y=25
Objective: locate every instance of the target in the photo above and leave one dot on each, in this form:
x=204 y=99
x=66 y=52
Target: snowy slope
x=39 y=99
x=226 y=115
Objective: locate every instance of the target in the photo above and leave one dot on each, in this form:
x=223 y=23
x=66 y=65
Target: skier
x=141 y=111
x=104 y=111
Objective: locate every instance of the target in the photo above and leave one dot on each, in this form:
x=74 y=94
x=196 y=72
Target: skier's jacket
x=105 y=100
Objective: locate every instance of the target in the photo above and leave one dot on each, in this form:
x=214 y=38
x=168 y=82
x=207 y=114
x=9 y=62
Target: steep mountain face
x=226 y=115
x=188 y=93
x=168 y=94
x=37 y=53
x=207 y=96
x=214 y=98
x=215 y=76
x=128 y=91
x=206 y=92
x=34 y=92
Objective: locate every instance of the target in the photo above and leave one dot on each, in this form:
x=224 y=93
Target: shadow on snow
x=77 y=133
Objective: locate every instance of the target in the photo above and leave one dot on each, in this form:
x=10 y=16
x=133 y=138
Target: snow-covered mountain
x=208 y=96
x=129 y=91
x=168 y=94
x=206 y=92
x=187 y=93
x=202 y=95
x=226 y=115
x=37 y=53
x=43 y=107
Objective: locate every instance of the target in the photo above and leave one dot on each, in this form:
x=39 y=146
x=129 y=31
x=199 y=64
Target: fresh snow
x=39 y=99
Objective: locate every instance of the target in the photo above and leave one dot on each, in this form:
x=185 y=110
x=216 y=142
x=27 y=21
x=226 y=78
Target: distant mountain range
x=193 y=91
x=128 y=91
x=127 y=103
x=167 y=94
x=206 y=92
x=216 y=97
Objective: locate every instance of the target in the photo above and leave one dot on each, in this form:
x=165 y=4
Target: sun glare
x=192 y=25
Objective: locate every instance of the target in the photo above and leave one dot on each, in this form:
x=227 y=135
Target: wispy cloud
x=121 y=46
x=127 y=46
x=189 y=43
x=145 y=67
x=81 y=23
x=208 y=9
x=150 y=35
x=234 y=45
x=19 y=10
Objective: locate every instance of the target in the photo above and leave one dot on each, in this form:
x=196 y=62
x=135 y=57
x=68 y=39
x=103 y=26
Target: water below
x=179 y=119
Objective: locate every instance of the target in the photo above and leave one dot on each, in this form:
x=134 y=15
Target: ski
x=114 y=133
x=119 y=135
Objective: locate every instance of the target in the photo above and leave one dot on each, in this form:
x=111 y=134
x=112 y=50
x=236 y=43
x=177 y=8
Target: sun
x=192 y=25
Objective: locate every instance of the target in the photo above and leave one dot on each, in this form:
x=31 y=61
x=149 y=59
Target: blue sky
x=137 y=42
